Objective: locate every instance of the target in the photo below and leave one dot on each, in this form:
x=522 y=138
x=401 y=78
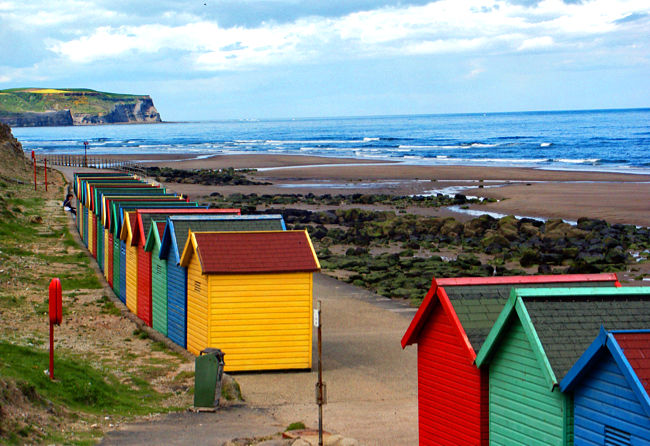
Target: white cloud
x=536 y=43
x=444 y=26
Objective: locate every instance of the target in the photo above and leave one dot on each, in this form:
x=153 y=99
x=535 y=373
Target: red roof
x=161 y=227
x=636 y=347
x=513 y=280
x=255 y=252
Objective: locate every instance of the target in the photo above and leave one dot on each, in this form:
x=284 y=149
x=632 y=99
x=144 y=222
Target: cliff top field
x=77 y=100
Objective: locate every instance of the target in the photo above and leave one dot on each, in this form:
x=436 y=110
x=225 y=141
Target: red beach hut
x=450 y=327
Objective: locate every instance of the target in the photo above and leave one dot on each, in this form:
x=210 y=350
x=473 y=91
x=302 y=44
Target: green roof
x=479 y=306
x=567 y=325
x=182 y=227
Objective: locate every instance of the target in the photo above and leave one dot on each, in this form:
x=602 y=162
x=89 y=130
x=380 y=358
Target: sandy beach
x=615 y=197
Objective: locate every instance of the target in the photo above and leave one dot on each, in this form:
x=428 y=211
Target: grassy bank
x=107 y=371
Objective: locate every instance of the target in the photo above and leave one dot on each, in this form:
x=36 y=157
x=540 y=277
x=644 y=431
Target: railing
x=94 y=162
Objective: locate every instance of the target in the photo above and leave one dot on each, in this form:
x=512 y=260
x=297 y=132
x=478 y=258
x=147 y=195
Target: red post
x=45 y=161
x=34 y=162
x=56 y=314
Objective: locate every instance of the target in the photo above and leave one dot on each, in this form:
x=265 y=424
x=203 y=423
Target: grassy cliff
x=29 y=107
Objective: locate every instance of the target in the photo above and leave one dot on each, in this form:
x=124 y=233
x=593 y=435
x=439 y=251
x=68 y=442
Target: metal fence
x=95 y=162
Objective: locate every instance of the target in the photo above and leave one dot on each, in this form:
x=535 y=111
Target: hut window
x=617 y=436
x=197 y=286
x=158 y=269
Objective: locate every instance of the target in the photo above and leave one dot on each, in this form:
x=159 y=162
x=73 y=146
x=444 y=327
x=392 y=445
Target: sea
x=594 y=140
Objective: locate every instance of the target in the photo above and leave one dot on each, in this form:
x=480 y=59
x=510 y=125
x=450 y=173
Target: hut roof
x=631 y=352
x=636 y=347
x=562 y=322
x=252 y=252
x=478 y=301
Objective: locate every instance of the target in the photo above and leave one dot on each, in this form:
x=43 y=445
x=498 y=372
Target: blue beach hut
x=610 y=384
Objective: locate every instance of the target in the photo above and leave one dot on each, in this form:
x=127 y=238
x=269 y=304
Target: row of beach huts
x=202 y=277
x=534 y=360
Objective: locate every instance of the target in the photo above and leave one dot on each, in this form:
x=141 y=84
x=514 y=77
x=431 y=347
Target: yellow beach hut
x=250 y=294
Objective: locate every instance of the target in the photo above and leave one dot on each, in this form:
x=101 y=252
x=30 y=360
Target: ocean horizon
x=614 y=140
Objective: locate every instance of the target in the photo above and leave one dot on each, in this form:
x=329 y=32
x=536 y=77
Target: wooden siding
x=117 y=254
x=131 y=278
x=105 y=250
x=110 y=260
x=176 y=302
x=198 y=307
x=606 y=399
x=99 y=230
x=92 y=229
x=85 y=235
x=523 y=410
x=452 y=392
x=85 y=226
x=262 y=321
x=144 y=285
x=158 y=291
x=122 y=270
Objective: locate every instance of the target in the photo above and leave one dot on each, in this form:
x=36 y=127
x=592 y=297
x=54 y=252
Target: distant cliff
x=33 y=107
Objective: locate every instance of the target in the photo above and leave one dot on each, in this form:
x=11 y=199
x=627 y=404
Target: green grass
x=295 y=426
x=17 y=101
x=78 y=386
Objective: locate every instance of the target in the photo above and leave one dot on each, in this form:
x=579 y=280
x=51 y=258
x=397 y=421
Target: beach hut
x=538 y=337
x=144 y=219
x=173 y=243
x=158 y=277
x=610 y=385
x=250 y=294
x=449 y=327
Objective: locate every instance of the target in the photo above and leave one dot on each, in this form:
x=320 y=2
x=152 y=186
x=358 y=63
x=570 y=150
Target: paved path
x=371 y=383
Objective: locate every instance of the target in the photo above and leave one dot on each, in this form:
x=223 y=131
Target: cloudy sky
x=222 y=59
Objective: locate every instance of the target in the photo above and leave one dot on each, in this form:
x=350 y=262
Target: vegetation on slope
x=23 y=100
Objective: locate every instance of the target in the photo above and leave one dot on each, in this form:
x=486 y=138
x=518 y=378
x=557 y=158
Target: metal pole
x=45 y=161
x=85 y=156
x=34 y=173
x=320 y=382
x=51 y=350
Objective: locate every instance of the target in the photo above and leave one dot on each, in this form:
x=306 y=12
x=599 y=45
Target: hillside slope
x=34 y=107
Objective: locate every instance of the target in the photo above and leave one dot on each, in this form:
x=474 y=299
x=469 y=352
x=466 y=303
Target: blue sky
x=230 y=59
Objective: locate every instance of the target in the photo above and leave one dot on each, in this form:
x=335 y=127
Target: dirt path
x=371 y=383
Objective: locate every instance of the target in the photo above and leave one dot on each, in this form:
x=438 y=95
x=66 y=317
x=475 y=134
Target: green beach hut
x=158 y=276
x=537 y=338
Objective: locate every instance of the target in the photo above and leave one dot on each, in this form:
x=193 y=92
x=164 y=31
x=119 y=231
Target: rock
x=589 y=224
x=529 y=257
x=451 y=227
x=529 y=230
x=544 y=269
x=477 y=226
x=36 y=219
x=507 y=227
x=301 y=442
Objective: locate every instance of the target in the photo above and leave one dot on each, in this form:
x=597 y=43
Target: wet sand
x=615 y=197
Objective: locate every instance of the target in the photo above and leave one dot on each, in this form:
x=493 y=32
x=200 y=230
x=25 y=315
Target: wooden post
x=45 y=161
x=320 y=386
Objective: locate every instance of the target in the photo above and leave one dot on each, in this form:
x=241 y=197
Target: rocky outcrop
x=53 y=107
x=12 y=157
x=142 y=111
x=33 y=119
